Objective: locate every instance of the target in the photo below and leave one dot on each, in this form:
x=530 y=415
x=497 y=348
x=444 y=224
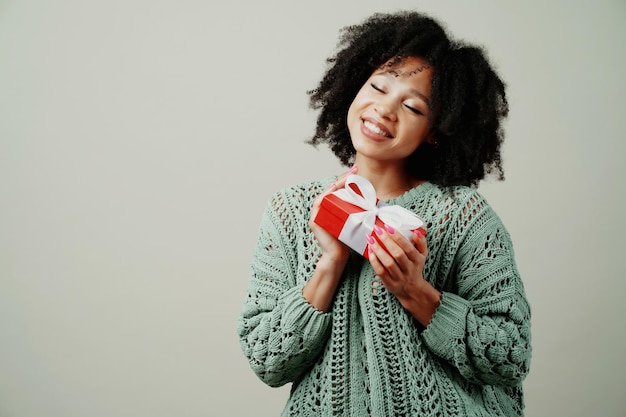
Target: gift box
x=350 y=214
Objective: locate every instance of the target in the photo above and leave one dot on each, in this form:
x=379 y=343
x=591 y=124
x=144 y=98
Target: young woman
x=435 y=325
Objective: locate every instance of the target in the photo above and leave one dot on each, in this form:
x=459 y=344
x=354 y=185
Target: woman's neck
x=389 y=181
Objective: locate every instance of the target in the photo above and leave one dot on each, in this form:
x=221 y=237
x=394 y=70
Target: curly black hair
x=467 y=102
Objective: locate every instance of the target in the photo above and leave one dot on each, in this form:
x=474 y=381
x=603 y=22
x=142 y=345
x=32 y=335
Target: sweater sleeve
x=483 y=327
x=280 y=333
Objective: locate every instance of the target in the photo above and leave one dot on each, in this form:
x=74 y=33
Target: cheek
x=418 y=135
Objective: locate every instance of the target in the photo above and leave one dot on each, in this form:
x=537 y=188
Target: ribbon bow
x=360 y=224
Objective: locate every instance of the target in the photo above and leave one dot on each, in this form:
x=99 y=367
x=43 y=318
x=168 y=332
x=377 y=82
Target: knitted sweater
x=368 y=356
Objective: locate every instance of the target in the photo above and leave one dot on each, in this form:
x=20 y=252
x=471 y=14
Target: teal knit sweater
x=368 y=356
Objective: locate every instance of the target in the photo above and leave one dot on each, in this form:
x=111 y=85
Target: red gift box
x=350 y=213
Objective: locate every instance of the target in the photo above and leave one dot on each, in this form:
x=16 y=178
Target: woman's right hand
x=320 y=290
x=332 y=248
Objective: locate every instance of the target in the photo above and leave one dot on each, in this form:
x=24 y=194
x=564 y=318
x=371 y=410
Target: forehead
x=404 y=67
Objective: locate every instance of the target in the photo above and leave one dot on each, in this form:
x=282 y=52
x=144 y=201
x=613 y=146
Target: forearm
x=281 y=337
x=320 y=290
x=489 y=348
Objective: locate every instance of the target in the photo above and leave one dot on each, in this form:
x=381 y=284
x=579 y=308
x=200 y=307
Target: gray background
x=141 y=139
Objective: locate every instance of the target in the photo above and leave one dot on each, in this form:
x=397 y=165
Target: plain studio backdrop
x=141 y=139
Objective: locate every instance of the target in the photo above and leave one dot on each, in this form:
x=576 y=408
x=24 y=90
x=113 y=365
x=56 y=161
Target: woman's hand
x=320 y=290
x=400 y=266
x=331 y=247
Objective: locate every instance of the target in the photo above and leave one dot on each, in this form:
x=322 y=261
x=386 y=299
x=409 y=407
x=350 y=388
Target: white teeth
x=371 y=126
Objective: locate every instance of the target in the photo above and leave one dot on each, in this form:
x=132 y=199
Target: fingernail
x=352 y=169
x=419 y=233
x=378 y=230
x=370 y=239
x=390 y=229
x=330 y=186
x=370 y=250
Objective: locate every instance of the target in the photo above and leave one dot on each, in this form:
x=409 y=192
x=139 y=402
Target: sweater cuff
x=301 y=317
x=447 y=326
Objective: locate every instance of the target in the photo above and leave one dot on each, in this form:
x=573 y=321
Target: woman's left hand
x=400 y=266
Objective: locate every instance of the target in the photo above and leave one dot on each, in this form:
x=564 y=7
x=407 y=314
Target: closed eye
x=375 y=87
x=414 y=110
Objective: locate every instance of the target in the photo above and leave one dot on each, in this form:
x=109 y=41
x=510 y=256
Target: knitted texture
x=368 y=356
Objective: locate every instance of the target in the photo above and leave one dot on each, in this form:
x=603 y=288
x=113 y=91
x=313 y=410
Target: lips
x=376 y=129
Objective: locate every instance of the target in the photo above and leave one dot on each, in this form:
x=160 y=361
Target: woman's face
x=388 y=118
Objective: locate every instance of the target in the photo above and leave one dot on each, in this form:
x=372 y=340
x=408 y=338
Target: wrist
x=421 y=301
x=333 y=263
x=320 y=290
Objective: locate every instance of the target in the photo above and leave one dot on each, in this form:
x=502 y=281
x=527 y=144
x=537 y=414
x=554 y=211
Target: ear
x=431 y=138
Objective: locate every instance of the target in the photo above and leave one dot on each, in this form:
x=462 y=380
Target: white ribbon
x=359 y=225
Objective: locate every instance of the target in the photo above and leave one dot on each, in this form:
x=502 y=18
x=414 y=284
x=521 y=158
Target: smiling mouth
x=375 y=129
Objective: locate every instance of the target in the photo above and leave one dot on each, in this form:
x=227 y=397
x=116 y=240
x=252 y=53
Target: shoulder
x=459 y=192
x=476 y=219
x=470 y=200
x=465 y=206
x=457 y=197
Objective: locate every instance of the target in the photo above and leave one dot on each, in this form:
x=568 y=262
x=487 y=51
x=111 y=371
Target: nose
x=386 y=109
